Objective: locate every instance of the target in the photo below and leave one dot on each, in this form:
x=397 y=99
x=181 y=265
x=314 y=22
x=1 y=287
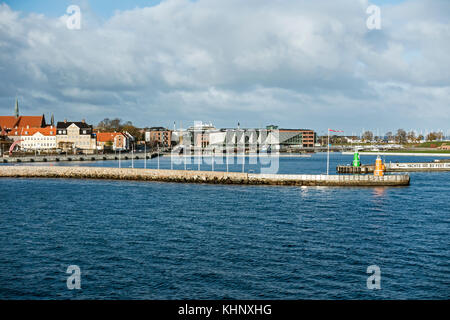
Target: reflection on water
x=379 y=192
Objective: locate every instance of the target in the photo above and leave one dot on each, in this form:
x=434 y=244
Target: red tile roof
x=11 y=122
x=8 y=122
x=107 y=136
x=15 y=132
x=32 y=121
x=47 y=131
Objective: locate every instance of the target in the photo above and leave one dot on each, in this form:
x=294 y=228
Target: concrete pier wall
x=331 y=180
x=423 y=166
x=200 y=176
x=397 y=167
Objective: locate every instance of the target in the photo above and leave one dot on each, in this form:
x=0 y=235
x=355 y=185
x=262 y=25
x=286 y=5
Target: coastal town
x=22 y=135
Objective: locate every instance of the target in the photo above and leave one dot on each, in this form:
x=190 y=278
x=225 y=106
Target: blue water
x=146 y=240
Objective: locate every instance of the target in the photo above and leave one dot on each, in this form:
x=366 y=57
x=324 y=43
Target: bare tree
x=118 y=126
x=367 y=136
x=412 y=136
x=401 y=136
x=431 y=136
x=389 y=136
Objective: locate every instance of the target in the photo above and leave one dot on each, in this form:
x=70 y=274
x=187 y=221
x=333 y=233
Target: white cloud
x=295 y=63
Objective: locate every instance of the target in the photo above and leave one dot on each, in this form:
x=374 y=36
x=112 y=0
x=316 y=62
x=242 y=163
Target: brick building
x=159 y=136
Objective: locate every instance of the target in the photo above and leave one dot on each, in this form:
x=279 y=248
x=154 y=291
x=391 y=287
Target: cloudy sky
x=295 y=63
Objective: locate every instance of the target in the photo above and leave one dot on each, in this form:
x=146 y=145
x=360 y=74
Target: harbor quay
x=424 y=166
x=82 y=157
x=396 y=167
x=211 y=177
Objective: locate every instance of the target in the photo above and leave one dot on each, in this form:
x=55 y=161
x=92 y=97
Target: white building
x=38 y=138
x=239 y=138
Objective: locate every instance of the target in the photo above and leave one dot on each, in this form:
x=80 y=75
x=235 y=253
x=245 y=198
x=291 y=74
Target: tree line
x=117 y=125
x=401 y=136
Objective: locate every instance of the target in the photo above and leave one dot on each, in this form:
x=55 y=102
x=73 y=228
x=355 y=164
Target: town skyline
x=377 y=132
x=123 y=125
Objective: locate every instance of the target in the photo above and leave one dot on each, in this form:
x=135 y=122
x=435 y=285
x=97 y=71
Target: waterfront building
x=206 y=136
x=159 y=136
x=200 y=134
x=112 y=140
x=238 y=140
x=297 y=138
x=261 y=139
x=38 y=138
x=75 y=135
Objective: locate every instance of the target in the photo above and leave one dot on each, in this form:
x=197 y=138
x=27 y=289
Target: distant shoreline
x=406 y=153
x=280 y=155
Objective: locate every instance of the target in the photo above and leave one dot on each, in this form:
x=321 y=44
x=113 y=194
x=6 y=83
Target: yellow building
x=75 y=135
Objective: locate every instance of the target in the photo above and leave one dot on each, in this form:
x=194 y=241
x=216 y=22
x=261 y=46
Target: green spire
x=16 y=109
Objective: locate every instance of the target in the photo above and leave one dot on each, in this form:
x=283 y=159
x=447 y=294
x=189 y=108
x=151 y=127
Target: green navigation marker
x=356 y=160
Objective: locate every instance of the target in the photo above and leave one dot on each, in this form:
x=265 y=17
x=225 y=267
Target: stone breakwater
x=200 y=176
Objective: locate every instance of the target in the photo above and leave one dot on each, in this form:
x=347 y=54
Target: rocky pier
x=201 y=176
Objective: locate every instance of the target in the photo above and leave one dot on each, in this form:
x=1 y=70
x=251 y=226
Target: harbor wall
x=79 y=157
x=423 y=166
x=329 y=180
x=397 y=167
x=201 y=176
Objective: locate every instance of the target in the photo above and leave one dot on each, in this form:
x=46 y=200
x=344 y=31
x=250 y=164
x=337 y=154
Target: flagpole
x=328 y=153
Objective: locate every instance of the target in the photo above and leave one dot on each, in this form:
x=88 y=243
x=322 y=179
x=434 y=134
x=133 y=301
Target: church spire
x=16 y=109
x=52 y=121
